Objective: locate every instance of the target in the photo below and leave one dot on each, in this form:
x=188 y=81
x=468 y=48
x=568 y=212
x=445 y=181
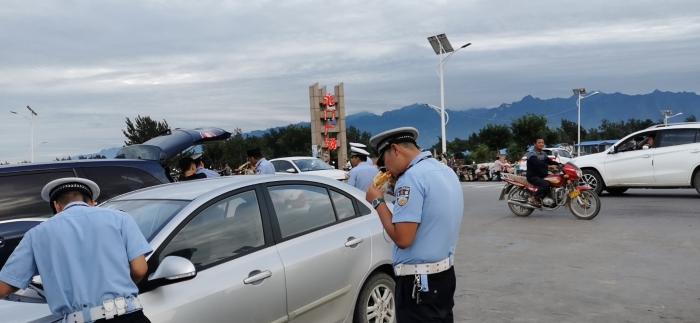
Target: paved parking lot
x=637 y=261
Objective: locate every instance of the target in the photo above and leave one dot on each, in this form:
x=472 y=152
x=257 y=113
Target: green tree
x=528 y=127
x=691 y=118
x=495 y=136
x=569 y=132
x=143 y=129
x=482 y=154
x=515 y=152
x=355 y=135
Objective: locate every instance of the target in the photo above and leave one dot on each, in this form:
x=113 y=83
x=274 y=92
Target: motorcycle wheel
x=585 y=206
x=519 y=195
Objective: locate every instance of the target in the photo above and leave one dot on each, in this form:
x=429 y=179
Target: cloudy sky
x=85 y=66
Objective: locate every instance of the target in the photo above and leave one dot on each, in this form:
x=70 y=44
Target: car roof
x=190 y=190
x=680 y=125
x=77 y=163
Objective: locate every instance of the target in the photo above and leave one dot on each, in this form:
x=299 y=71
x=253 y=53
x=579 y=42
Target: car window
x=343 y=205
x=676 y=137
x=311 y=164
x=301 y=208
x=564 y=153
x=150 y=215
x=115 y=180
x=21 y=194
x=364 y=210
x=547 y=151
x=276 y=165
x=223 y=230
x=285 y=165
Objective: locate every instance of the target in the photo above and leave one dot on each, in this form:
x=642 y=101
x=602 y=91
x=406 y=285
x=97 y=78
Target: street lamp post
x=441 y=46
x=581 y=92
x=439 y=111
x=31 y=120
x=667 y=115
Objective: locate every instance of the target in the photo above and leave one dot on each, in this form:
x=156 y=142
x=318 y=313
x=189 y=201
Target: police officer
x=424 y=226
x=362 y=173
x=188 y=170
x=363 y=146
x=199 y=164
x=262 y=166
x=90 y=258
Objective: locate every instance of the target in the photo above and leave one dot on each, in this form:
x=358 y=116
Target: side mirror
x=291 y=171
x=556 y=154
x=174 y=268
x=645 y=147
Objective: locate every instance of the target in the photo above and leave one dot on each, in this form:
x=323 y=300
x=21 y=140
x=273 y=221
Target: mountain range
x=611 y=106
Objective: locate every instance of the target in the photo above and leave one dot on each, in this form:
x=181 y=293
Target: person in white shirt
x=498 y=168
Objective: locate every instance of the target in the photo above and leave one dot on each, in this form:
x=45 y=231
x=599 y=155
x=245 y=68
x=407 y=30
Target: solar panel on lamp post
x=441 y=45
x=581 y=92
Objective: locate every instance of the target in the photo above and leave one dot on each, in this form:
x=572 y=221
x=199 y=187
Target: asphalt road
x=637 y=261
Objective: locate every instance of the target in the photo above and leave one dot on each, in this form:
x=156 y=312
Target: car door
x=629 y=167
x=11 y=233
x=325 y=248
x=677 y=155
x=240 y=276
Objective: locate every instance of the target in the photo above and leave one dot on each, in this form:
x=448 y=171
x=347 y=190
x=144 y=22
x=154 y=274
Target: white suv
x=671 y=161
x=563 y=156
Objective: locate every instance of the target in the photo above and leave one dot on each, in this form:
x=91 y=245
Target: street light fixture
x=31 y=120
x=581 y=92
x=441 y=46
x=41 y=143
x=437 y=109
x=667 y=115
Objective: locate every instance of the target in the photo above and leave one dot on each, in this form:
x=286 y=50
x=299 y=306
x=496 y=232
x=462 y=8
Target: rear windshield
x=150 y=215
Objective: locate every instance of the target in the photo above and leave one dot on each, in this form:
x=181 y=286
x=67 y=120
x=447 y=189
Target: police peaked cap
x=55 y=188
x=384 y=140
x=358 y=145
x=354 y=151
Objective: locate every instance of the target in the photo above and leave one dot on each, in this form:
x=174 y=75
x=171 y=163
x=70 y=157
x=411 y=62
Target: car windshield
x=308 y=165
x=150 y=215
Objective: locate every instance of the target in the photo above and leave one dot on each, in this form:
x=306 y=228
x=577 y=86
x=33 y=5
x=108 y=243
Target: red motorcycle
x=563 y=191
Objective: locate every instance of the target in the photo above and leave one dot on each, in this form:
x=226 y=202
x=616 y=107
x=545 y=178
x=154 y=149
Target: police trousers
x=133 y=317
x=435 y=305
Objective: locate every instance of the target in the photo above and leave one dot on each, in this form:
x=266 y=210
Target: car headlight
x=579 y=173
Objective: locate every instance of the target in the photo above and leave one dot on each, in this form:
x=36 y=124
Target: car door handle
x=353 y=242
x=646 y=156
x=256 y=276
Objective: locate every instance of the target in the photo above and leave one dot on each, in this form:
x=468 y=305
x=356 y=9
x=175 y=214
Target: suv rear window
x=115 y=180
x=676 y=137
x=21 y=194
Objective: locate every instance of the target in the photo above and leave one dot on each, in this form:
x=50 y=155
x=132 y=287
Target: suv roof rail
x=661 y=125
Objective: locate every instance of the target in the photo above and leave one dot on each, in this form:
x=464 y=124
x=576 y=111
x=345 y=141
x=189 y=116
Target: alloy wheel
x=380 y=305
x=589 y=180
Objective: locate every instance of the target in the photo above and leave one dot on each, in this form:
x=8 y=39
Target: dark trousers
x=435 y=305
x=542 y=186
x=134 y=317
x=498 y=175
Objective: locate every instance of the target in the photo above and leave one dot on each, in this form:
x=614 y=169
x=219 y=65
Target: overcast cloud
x=85 y=66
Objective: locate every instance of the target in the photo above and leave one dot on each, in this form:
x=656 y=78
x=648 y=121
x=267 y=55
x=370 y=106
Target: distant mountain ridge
x=611 y=106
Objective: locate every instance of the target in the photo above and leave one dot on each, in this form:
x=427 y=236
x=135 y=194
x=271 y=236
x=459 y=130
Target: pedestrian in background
x=424 y=226
x=89 y=258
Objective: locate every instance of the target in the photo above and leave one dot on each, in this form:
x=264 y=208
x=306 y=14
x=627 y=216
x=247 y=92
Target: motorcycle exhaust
x=525 y=205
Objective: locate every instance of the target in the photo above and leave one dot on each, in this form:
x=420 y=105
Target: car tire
x=616 y=191
x=697 y=181
x=376 y=293
x=592 y=178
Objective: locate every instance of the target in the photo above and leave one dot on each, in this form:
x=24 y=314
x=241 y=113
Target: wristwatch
x=376 y=202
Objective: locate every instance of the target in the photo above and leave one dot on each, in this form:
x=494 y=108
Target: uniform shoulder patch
x=402 y=195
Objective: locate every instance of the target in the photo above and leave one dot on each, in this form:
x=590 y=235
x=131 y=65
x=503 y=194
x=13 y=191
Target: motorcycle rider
x=538 y=164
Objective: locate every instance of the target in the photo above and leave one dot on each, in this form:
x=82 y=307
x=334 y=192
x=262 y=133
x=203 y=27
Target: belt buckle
x=108 y=306
x=120 y=303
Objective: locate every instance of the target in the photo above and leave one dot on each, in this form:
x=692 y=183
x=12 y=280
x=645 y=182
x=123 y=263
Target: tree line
x=295 y=139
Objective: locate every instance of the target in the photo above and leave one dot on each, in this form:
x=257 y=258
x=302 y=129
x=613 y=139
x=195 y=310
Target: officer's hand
x=373 y=193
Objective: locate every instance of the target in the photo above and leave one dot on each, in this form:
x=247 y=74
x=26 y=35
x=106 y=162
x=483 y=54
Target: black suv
x=134 y=167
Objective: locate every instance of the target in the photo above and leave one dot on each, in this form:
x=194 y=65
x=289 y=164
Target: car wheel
x=376 y=302
x=697 y=181
x=616 y=191
x=592 y=179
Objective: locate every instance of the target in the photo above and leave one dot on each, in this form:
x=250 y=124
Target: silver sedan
x=276 y=248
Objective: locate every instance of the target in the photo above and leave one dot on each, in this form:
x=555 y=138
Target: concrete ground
x=637 y=261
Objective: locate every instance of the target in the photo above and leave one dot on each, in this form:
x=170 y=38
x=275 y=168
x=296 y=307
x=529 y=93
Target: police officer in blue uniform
x=362 y=173
x=262 y=166
x=89 y=258
x=359 y=145
x=199 y=164
x=424 y=226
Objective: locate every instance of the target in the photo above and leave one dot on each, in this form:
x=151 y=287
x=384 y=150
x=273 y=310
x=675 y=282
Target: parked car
x=254 y=249
x=673 y=161
x=563 y=156
x=11 y=233
x=135 y=167
x=306 y=165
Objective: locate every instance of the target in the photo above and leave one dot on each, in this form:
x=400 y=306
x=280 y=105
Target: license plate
x=574 y=193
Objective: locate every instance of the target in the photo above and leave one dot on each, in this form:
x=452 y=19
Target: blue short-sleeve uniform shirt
x=428 y=193
x=82 y=254
x=210 y=173
x=264 y=167
x=362 y=175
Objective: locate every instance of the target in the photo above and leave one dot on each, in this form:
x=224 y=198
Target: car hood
x=590 y=160
x=330 y=173
x=167 y=146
